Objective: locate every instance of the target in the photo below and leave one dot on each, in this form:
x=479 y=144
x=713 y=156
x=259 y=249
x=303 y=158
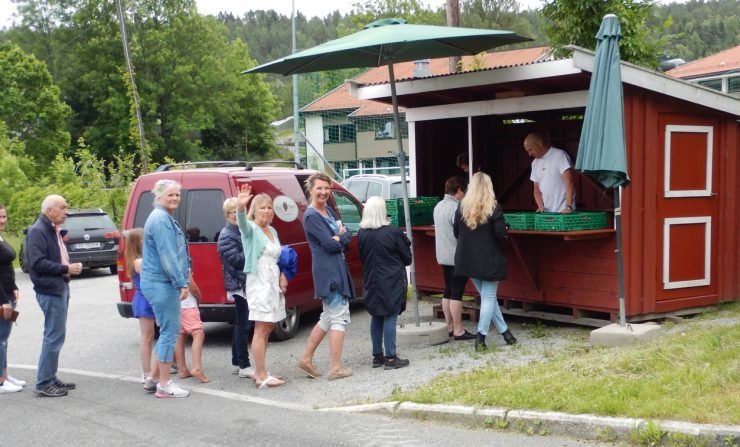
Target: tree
x=577 y=22
x=30 y=106
x=494 y=14
x=413 y=11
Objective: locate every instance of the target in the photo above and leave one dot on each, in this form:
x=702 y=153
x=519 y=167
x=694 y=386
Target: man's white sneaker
x=171 y=390
x=15 y=381
x=246 y=372
x=8 y=387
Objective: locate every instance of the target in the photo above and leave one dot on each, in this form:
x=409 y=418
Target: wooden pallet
x=468 y=312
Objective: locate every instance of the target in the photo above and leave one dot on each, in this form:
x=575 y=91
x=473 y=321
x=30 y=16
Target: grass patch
x=692 y=375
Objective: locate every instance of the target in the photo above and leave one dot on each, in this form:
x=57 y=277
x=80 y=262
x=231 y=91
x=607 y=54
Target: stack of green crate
x=520 y=220
x=576 y=221
x=420 y=208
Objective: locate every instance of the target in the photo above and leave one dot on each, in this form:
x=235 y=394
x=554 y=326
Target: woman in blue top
x=265 y=283
x=328 y=239
x=165 y=273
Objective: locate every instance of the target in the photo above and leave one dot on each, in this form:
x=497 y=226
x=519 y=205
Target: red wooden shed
x=680 y=214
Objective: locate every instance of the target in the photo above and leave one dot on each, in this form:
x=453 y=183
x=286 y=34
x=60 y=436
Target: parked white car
x=364 y=186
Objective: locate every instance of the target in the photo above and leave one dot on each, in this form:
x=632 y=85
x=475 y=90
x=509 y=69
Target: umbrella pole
x=402 y=164
x=620 y=264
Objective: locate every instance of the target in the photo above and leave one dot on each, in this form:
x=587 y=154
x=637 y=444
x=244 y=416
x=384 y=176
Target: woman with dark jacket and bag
x=8 y=301
x=481 y=231
x=385 y=252
x=231 y=253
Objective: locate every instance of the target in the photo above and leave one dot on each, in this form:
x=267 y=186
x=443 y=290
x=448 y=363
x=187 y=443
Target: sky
x=309 y=8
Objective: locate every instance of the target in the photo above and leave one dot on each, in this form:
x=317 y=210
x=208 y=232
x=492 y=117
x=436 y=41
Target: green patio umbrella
x=601 y=149
x=385 y=42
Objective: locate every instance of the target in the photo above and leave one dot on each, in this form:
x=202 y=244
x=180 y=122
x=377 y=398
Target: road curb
x=582 y=426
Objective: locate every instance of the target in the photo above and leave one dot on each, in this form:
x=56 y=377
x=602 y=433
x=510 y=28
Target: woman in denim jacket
x=165 y=272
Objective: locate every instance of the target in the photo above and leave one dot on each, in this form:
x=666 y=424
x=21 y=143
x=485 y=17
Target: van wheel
x=23 y=261
x=287 y=328
x=113 y=269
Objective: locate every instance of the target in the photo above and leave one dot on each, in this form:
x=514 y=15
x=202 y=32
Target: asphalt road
x=110 y=408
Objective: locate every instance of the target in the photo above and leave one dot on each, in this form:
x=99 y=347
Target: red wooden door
x=687 y=212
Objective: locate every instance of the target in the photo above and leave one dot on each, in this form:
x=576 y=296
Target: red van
x=205 y=186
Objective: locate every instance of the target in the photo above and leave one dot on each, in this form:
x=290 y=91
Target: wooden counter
x=575 y=271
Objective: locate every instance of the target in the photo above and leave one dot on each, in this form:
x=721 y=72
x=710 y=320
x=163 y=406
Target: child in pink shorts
x=191 y=324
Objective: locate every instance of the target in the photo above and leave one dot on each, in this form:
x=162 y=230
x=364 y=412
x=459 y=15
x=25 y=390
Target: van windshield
x=396 y=191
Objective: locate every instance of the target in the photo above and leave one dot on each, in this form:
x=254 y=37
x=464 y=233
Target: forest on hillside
x=63 y=61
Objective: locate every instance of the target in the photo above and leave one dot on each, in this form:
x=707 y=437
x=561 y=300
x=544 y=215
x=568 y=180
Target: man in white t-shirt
x=552 y=176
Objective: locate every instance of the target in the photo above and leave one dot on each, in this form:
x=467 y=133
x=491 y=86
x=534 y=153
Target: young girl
x=190 y=323
x=141 y=307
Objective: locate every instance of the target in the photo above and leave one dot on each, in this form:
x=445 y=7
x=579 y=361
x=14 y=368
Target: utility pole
x=453 y=19
x=296 y=129
x=135 y=92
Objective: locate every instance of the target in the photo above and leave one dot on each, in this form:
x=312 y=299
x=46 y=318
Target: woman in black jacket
x=232 y=260
x=481 y=231
x=8 y=301
x=385 y=252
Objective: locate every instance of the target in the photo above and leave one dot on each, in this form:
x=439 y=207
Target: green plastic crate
x=520 y=221
x=420 y=208
x=569 y=222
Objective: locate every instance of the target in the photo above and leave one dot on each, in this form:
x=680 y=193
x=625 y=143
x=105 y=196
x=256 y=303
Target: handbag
x=13 y=316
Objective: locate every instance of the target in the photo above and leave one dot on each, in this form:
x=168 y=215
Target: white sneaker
x=246 y=372
x=171 y=390
x=15 y=381
x=150 y=385
x=8 y=387
x=235 y=369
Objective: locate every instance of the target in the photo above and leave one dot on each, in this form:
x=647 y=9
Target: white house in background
x=720 y=71
x=358 y=136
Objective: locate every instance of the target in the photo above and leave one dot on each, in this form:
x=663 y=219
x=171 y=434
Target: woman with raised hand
x=481 y=231
x=165 y=274
x=332 y=282
x=266 y=285
x=385 y=252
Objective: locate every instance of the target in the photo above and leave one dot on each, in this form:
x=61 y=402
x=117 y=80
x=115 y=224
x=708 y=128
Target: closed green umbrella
x=601 y=150
x=385 y=42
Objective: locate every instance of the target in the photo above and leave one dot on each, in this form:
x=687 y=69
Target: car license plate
x=86 y=245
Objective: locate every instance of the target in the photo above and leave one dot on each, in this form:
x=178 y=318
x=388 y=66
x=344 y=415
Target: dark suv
x=92 y=239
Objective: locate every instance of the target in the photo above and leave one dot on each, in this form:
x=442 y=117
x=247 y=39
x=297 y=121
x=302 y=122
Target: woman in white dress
x=266 y=285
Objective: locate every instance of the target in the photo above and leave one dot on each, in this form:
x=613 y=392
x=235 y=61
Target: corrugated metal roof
x=340 y=98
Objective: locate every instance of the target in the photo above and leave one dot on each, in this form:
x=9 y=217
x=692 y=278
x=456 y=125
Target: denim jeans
x=240 y=337
x=383 y=331
x=165 y=301
x=5 y=327
x=489 y=310
x=54 y=308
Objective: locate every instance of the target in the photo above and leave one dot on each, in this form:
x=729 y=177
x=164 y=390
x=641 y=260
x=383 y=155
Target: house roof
x=553 y=84
x=722 y=62
x=340 y=97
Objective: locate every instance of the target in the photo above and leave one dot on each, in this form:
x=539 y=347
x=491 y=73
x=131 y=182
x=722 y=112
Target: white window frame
x=707 y=221
x=707 y=191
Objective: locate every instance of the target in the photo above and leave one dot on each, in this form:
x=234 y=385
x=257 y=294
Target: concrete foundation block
x=431 y=333
x=630 y=334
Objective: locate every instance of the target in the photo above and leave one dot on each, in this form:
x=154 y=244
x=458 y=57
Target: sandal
x=269 y=382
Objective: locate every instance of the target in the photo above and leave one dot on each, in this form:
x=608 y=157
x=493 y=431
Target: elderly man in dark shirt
x=50 y=272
